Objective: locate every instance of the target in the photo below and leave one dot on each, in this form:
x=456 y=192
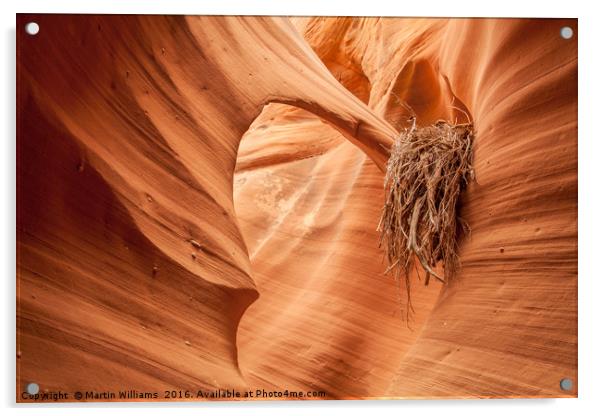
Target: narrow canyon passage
x=148 y=111
x=156 y=252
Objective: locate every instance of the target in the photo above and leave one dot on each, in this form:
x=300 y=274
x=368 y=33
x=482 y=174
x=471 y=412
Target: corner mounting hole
x=32 y=28
x=566 y=384
x=33 y=388
x=566 y=32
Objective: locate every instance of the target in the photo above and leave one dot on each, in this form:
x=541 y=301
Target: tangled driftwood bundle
x=428 y=168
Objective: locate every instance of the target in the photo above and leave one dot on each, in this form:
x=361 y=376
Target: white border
x=590 y=206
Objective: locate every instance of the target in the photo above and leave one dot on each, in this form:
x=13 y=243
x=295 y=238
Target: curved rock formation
x=144 y=262
x=128 y=133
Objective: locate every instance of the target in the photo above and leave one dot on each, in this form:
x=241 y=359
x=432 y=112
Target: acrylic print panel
x=273 y=208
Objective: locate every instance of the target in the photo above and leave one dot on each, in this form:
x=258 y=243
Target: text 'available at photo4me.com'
x=177 y=395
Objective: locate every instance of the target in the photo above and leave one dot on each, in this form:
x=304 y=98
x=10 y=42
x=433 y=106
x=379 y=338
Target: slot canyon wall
x=157 y=250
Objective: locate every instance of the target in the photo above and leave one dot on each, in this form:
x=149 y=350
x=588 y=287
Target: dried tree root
x=428 y=169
